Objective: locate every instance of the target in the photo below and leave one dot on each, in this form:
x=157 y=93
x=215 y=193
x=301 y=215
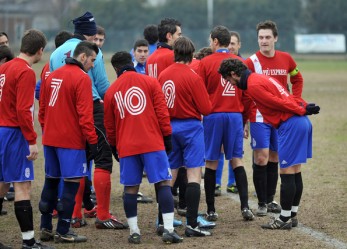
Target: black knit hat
x=85 y=24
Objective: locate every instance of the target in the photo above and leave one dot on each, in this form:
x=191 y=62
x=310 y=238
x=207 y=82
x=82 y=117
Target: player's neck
x=268 y=53
x=28 y=59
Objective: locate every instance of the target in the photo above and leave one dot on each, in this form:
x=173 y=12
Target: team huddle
x=170 y=113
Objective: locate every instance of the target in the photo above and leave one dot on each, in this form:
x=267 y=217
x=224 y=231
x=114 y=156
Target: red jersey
x=185 y=92
x=195 y=64
x=272 y=99
x=66 y=108
x=136 y=115
x=277 y=67
x=17 y=89
x=45 y=72
x=158 y=61
x=223 y=95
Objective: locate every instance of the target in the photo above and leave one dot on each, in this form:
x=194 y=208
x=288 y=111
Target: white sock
x=168 y=219
x=295 y=209
x=132 y=222
x=286 y=213
x=28 y=235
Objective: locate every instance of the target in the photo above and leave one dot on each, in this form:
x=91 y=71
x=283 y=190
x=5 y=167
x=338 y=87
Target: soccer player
x=264 y=137
x=137 y=122
x=66 y=116
x=100 y=36
x=4 y=39
x=5 y=54
x=224 y=126
x=85 y=29
x=18 y=148
x=141 y=51
x=285 y=113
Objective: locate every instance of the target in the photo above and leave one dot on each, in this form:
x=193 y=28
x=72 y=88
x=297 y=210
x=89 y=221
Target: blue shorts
x=156 y=165
x=14 y=149
x=294 y=141
x=65 y=163
x=225 y=128
x=264 y=136
x=188 y=147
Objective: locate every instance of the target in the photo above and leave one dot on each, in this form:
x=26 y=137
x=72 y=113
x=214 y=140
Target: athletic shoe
x=9 y=196
x=2 y=246
x=46 y=235
x=273 y=207
x=37 y=245
x=182 y=211
x=247 y=214
x=3 y=212
x=135 y=238
x=204 y=223
x=262 y=210
x=91 y=213
x=218 y=190
x=196 y=232
x=295 y=221
x=211 y=216
x=143 y=199
x=176 y=223
x=112 y=223
x=160 y=230
x=232 y=189
x=170 y=238
x=278 y=224
x=70 y=237
x=78 y=223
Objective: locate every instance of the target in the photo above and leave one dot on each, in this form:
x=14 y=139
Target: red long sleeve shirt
x=17 y=89
x=136 y=115
x=66 y=108
x=185 y=92
x=158 y=61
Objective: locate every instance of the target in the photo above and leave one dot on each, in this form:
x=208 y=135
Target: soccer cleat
x=91 y=213
x=160 y=230
x=9 y=196
x=170 y=238
x=78 y=223
x=182 y=211
x=196 y=232
x=143 y=199
x=232 y=189
x=218 y=190
x=46 y=235
x=295 y=221
x=262 y=210
x=3 y=212
x=112 y=223
x=176 y=223
x=273 y=207
x=2 y=246
x=278 y=224
x=37 y=245
x=247 y=214
x=204 y=223
x=211 y=216
x=70 y=237
x=134 y=238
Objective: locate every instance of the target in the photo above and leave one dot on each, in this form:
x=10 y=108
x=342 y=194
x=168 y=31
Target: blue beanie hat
x=85 y=24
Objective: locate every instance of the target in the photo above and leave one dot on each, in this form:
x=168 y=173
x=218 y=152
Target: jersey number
x=229 y=89
x=169 y=92
x=55 y=85
x=2 y=83
x=152 y=70
x=134 y=101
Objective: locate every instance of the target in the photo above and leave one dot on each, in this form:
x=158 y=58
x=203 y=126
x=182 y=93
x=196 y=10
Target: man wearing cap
x=85 y=29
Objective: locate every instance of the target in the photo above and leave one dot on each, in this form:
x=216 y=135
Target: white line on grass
x=301 y=228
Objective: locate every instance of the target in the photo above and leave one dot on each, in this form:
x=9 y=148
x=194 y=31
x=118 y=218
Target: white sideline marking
x=303 y=229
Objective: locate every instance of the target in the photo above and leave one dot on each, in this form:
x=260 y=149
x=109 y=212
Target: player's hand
x=168 y=144
x=312 y=108
x=246 y=131
x=93 y=151
x=114 y=152
x=34 y=151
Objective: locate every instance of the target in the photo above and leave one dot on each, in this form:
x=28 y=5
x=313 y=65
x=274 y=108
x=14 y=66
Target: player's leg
x=219 y=174
x=4 y=187
x=231 y=187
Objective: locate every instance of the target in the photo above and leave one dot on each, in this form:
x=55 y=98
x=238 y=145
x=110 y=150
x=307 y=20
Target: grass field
x=324 y=202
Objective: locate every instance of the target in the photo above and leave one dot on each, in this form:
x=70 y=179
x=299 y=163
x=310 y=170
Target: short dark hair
x=183 y=49
x=140 y=43
x=2 y=33
x=32 y=41
x=222 y=34
x=203 y=52
x=234 y=33
x=231 y=65
x=150 y=33
x=100 y=30
x=85 y=47
x=121 y=59
x=167 y=25
x=5 y=52
x=268 y=24
x=62 y=37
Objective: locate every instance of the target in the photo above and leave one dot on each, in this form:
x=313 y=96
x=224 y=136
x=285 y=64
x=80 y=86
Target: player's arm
x=295 y=78
x=99 y=76
x=201 y=97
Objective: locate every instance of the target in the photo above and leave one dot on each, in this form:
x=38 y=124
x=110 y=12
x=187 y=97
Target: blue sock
x=231 y=178
x=165 y=199
x=48 y=202
x=66 y=205
x=130 y=205
x=219 y=171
